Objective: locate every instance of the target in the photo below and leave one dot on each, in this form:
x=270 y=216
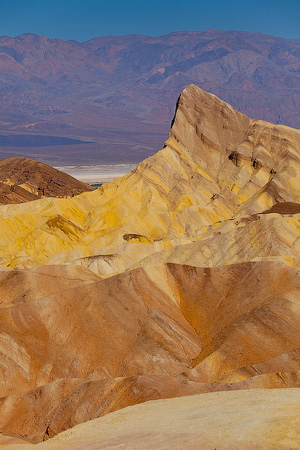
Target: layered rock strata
x=79 y=352
x=217 y=168
x=180 y=278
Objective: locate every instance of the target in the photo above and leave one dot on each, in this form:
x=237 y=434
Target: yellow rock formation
x=180 y=278
x=217 y=168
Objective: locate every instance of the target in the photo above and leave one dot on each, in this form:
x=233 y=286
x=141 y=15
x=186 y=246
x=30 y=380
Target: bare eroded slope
x=180 y=278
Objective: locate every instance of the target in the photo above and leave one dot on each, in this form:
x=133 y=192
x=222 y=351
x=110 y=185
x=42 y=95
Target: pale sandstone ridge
x=248 y=420
x=10 y=441
x=24 y=179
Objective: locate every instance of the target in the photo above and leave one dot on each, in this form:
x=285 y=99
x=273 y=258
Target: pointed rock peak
x=203 y=117
x=193 y=95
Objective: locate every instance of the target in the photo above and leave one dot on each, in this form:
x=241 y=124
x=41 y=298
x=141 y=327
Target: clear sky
x=85 y=19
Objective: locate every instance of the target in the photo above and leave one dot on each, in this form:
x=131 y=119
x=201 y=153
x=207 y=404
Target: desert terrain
x=161 y=310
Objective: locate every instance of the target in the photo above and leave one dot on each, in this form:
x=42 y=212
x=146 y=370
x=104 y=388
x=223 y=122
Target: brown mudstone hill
x=76 y=348
x=24 y=179
x=284 y=208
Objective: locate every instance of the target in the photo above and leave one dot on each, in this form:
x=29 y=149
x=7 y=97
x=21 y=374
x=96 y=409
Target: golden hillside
x=180 y=278
x=217 y=168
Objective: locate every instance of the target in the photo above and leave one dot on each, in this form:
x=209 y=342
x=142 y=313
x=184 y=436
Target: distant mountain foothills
x=180 y=279
x=111 y=99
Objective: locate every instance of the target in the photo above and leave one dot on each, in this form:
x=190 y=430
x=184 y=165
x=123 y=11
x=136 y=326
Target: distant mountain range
x=117 y=94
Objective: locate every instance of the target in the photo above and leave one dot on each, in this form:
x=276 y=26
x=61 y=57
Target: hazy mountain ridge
x=115 y=90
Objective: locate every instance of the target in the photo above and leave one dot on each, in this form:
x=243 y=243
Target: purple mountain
x=111 y=99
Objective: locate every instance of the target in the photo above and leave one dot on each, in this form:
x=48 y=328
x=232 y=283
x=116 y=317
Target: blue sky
x=85 y=19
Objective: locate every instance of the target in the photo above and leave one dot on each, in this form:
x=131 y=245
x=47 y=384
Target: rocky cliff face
x=180 y=278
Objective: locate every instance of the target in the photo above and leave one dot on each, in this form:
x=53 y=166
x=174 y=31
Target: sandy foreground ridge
x=256 y=419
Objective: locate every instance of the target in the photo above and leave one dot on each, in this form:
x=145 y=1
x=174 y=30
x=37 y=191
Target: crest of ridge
x=217 y=167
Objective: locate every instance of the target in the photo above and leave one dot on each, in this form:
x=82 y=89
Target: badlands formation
x=180 y=278
x=23 y=180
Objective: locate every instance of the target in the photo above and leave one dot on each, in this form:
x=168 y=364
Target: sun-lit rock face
x=217 y=166
x=180 y=278
x=251 y=420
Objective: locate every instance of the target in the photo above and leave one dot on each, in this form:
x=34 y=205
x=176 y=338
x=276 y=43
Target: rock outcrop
x=23 y=180
x=217 y=168
x=180 y=278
